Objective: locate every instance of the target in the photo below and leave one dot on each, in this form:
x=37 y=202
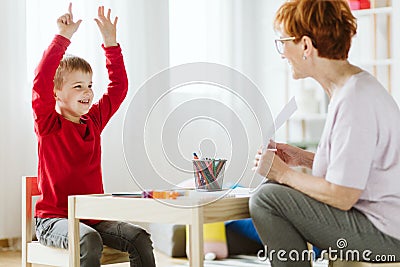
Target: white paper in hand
x=288 y=110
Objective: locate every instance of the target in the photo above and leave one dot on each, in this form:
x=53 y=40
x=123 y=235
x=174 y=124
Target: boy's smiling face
x=75 y=96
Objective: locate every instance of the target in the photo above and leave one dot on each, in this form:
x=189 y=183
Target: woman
x=349 y=205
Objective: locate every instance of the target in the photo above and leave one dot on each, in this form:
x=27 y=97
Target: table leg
x=73 y=234
x=196 y=244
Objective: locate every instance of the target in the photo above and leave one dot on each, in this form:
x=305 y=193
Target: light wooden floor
x=13 y=259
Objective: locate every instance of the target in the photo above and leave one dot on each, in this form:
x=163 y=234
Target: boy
x=69 y=144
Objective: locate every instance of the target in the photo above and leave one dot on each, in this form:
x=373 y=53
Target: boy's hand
x=66 y=25
x=107 y=28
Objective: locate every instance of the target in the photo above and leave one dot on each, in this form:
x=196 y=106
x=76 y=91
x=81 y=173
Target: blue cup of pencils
x=209 y=174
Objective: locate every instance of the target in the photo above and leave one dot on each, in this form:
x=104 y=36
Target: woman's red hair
x=329 y=23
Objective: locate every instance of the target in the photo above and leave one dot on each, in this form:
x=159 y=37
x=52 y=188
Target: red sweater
x=70 y=153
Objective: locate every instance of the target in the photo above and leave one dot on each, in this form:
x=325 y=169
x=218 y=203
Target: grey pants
x=287 y=219
x=118 y=235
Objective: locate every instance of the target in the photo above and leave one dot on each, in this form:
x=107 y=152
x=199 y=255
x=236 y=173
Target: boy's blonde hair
x=68 y=64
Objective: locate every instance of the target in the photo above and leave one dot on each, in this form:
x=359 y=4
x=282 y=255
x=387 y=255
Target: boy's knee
x=91 y=245
x=143 y=237
x=143 y=249
x=136 y=237
x=132 y=232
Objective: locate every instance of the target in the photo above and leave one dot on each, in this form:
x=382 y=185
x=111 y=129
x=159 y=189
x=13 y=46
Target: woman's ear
x=307 y=46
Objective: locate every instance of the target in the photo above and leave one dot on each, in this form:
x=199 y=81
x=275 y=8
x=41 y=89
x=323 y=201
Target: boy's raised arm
x=66 y=25
x=107 y=28
x=118 y=85
x=43 y=100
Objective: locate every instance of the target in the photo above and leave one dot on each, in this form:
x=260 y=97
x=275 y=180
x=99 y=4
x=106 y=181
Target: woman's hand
x=66 y=25
x=293 y=156
x=107 y=28
x=268 y=164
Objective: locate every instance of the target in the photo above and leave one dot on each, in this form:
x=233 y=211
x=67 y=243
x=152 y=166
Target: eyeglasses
x=279 y=43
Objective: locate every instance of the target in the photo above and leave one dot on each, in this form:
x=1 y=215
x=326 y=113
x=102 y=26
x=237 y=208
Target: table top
x=211 y=206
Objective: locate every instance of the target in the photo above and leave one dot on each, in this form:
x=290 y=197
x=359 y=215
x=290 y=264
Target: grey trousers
x=122 y=236
x=287 y=219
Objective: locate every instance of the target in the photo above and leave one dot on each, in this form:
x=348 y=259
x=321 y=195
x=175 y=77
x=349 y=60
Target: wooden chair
x=34 y=252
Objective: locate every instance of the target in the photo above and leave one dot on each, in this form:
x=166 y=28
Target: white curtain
x=17 y=138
